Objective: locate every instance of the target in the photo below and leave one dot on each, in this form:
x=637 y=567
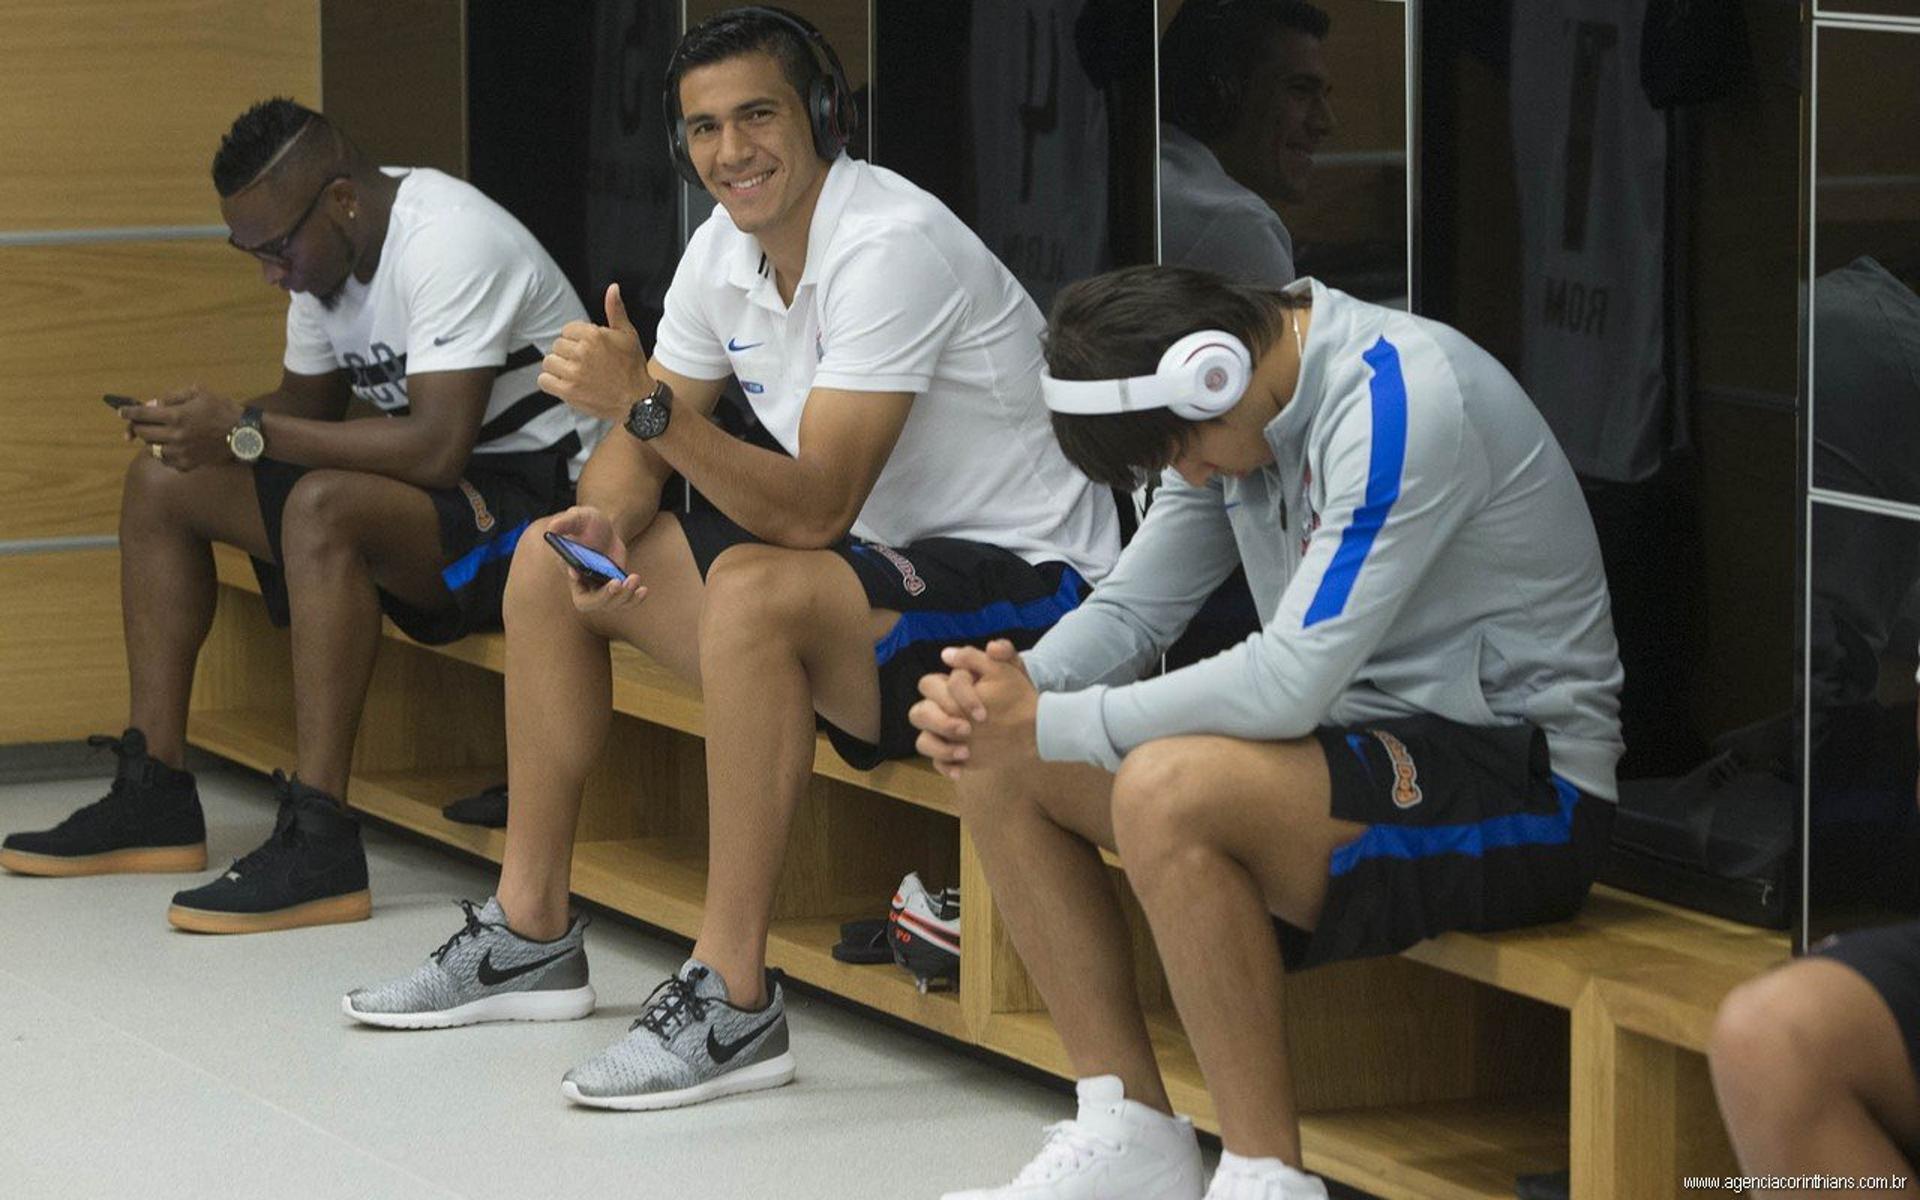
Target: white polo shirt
x=461 y=284
x=898 y=296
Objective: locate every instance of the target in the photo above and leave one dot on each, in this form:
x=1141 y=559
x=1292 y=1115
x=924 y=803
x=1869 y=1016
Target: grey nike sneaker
x=484 y=972
x=689 y=1045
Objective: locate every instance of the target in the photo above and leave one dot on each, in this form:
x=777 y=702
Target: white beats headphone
x=1200 y=376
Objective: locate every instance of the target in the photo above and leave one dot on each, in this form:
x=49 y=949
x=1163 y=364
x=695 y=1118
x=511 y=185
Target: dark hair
x=1213 y=47
x=740 y=31
x=1119 y=324
x=257 y=135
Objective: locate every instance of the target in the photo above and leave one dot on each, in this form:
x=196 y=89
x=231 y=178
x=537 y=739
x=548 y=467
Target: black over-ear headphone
x=829 y=99
x=1206 y=93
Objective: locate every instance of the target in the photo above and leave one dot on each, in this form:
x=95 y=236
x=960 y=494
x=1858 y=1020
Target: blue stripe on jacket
x=1384 y=468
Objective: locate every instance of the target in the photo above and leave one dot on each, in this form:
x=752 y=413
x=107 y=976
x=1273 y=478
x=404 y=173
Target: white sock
x=1293 y=1181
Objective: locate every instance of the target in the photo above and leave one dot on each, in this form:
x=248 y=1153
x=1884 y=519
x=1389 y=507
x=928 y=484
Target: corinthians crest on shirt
x=1406 y=775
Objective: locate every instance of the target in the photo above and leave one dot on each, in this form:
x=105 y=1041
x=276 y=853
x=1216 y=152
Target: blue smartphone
x=585 y=559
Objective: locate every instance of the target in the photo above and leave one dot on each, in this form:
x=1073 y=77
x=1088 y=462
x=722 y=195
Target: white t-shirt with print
x=461 y=284
x=898 y=295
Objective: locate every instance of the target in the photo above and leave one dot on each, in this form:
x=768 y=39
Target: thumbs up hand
x=600 y=370
x=617 y=312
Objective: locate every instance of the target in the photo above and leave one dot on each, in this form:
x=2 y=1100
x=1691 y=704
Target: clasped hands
x=980 y=714
x=186 y=428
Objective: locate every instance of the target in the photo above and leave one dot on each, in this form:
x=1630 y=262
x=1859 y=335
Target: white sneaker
x=1114 y=1147
x=1269 y=1180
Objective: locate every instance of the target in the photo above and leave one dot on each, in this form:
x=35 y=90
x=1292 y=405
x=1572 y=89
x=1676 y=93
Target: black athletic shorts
x=948 y=592
x=481 y=520
x=1889 y=959
x=1468 y=828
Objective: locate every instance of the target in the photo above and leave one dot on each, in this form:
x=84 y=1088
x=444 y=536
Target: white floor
x=137 y=1061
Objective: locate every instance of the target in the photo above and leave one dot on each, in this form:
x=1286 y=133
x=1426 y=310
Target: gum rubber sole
x=334 y=910
x=137 y=860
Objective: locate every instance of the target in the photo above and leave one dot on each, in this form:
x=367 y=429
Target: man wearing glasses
x=413 y=292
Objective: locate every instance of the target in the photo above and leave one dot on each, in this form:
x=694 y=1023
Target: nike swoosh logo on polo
x=734 y=347
x=441 y=341
x=491 y=976
x=721 y=1052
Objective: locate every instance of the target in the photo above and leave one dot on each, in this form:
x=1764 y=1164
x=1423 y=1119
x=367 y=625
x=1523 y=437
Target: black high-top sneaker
x=311 y=871
x=149 y=821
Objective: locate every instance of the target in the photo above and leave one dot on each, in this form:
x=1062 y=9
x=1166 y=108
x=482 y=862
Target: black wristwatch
x=648 y=417
x=247 y=441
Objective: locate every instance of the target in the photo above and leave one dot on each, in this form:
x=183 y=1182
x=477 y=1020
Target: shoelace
x=670 y=1005
x=1069 y=1147
x=115 y=793
x=473 y=927
x=285 y=837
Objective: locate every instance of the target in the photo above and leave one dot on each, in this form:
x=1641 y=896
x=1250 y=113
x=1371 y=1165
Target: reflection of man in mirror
x=1866 y=443
x=1243 y=102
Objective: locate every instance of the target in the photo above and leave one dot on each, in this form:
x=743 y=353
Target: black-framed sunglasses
x=274 y=250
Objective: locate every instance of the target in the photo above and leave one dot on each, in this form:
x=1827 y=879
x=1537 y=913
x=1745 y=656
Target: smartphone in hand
x=119 y=402
x=597 y=567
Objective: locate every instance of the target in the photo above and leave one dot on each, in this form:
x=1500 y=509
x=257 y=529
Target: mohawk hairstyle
x=257 y=135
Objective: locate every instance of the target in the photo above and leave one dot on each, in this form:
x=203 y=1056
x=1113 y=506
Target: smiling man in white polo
x=918 y=501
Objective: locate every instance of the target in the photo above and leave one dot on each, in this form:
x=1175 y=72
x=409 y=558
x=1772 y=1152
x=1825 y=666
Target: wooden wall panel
x=63 y=670
x=111 y=110
x=395 y=75
x=132 y=317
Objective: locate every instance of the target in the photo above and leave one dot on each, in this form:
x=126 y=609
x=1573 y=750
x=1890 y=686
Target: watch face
x=648 y=419
x=247 y=443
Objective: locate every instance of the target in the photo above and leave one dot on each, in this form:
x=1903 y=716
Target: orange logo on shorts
x=482 y=515
x=1406 y=776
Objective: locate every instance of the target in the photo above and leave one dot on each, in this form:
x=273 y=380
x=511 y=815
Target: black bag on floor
x=1719 y=839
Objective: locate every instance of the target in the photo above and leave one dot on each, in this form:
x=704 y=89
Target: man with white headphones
x=1421 y=737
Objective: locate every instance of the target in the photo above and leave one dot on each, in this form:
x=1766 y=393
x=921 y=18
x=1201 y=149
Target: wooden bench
x=1439 y=1074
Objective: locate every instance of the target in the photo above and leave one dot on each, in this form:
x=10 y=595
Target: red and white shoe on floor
x=1113 y=1147
x=1263 y=1179
x=923 y=931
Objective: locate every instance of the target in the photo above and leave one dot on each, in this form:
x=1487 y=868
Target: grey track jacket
x=1419 y=545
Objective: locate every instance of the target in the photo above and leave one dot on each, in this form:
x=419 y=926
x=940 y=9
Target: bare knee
x=538 y=588
x=753 y=596
x=320 y=518
x=994 y=799
x=146 y=498
x=1159 y=805
x=1772 y=1037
